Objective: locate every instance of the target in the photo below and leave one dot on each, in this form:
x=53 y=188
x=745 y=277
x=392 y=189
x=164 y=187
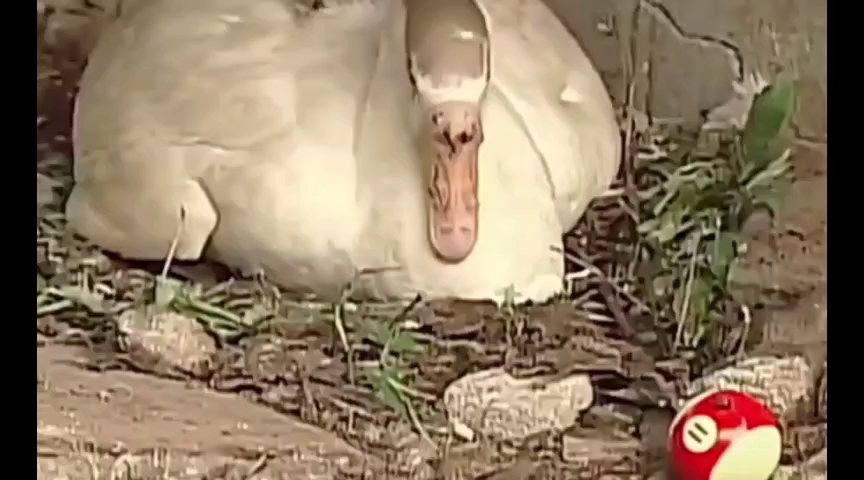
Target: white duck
x=455 y=140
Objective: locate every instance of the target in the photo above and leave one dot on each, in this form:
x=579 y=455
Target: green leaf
x=662 y=284
x=700 y=299
x=670 y=226
x=385 y=392
x=688 y=195
x=90 y=300
x=770 y=116
x=391 y=398
x=377 y=332
x=770 y=186
x=47 y=304
x=724 y=255
x=403 y=342
x=166 y=290
x=770 y=174
x=215 y=316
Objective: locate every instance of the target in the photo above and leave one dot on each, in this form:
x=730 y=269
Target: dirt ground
x=86 y=417
x=125 y=425
x=211 y=435
x=788 y=271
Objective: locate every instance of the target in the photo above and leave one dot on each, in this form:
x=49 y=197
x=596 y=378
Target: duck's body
x=290 y=138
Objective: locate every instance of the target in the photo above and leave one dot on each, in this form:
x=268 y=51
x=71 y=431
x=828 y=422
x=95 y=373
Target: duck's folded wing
x=224 y=72
x=165 y=77
x=193 y=72
x=559 y=99
x=179 y=91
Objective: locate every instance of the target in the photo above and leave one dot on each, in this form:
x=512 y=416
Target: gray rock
x=815 y=468
x=496 y=405
x=169 y=339
x=592 y=451
x=779 y=382
x=698 y=48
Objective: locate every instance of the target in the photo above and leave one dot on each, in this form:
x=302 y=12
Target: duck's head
x=447 y=45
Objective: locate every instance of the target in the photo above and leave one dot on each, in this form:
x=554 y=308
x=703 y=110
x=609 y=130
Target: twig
x=614 y=305
x=596 y=271
x=258 y=466
x=412 y=414
x=339 y=317
x=341 y=331
x=414 y=393
x=630 y=58
x=89 y=455
x=748 y=320
x=172 y=250
x=632 y=211
x=306 y=390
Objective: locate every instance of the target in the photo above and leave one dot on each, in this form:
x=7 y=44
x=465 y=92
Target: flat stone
x=822 y=395
x=815 y=468
x=168 y=339
x=496 y=405
x=87 y=420
x=599 y=451
x=778 y=382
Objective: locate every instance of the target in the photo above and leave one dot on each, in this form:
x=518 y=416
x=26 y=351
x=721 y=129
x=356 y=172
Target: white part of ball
x=685 y=407
x=752 y=455
x=699 y=434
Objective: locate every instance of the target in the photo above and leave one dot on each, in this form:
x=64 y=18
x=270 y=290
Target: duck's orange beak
x=453 y=201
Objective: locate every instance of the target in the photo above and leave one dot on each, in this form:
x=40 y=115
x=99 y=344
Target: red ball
x=725 y=435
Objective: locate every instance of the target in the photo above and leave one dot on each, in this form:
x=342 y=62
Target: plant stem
x=685 y=303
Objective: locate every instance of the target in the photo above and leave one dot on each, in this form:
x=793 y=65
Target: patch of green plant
x=696 y=209
x=390 y=376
